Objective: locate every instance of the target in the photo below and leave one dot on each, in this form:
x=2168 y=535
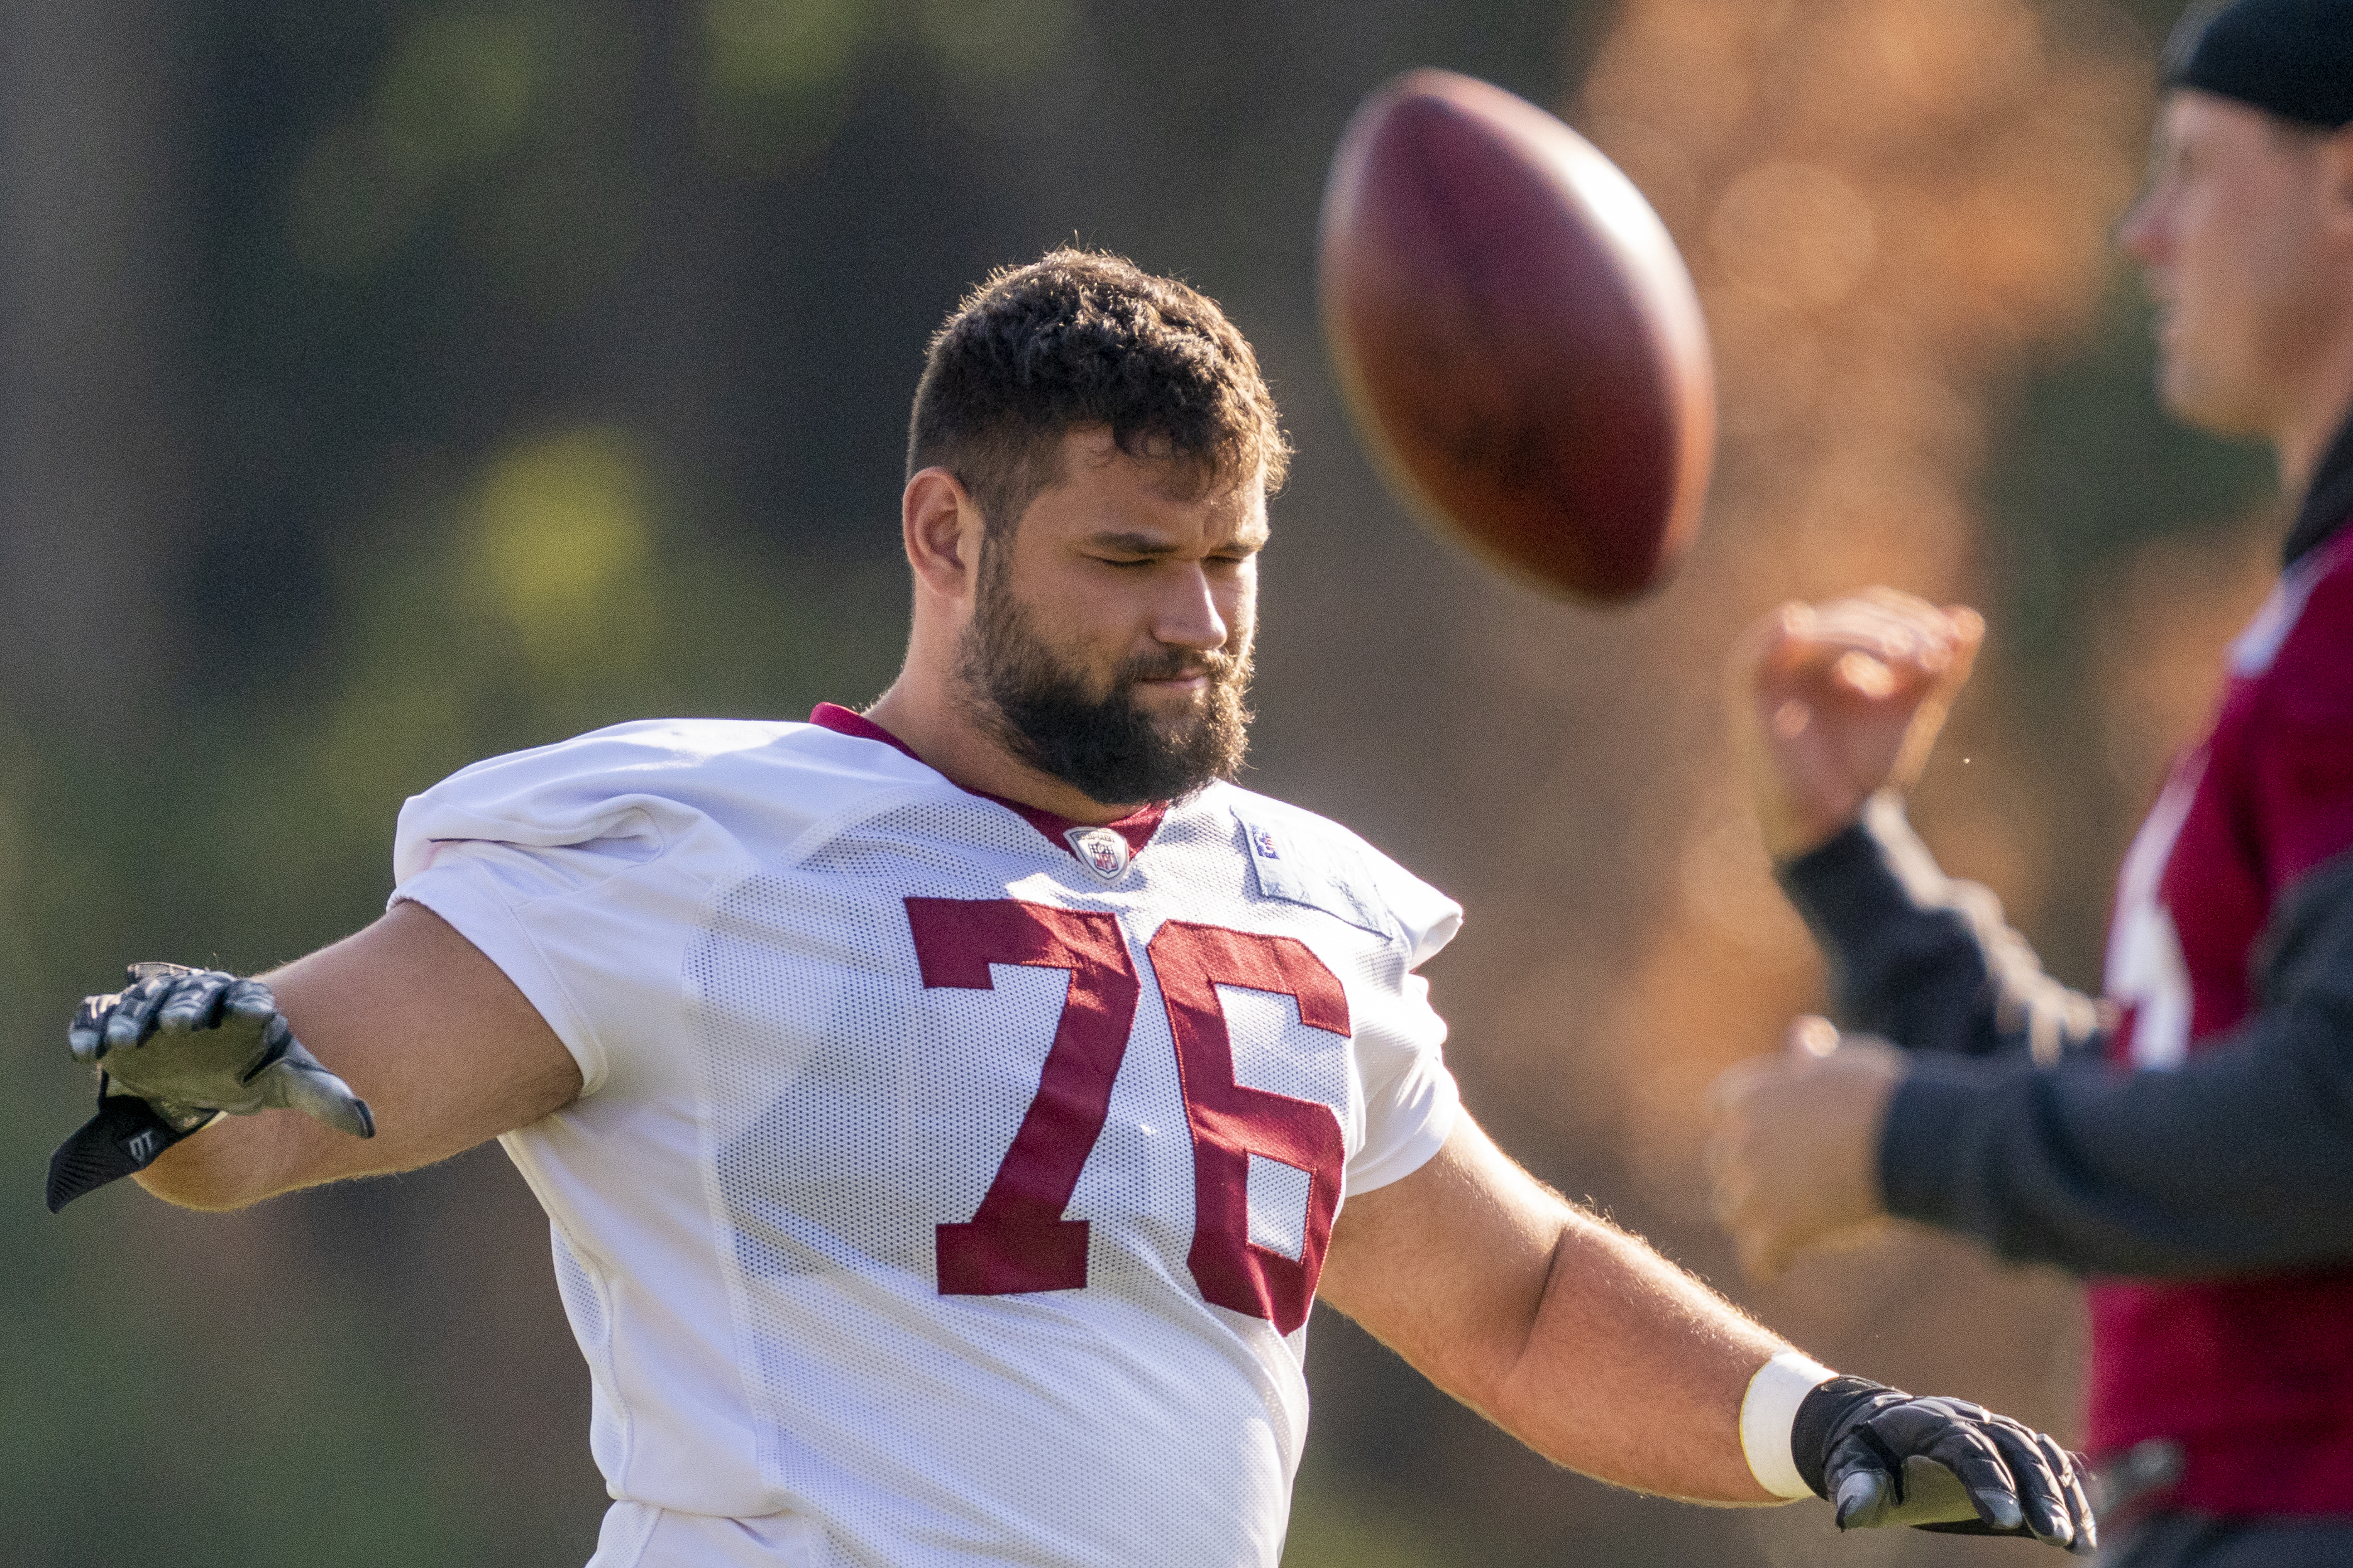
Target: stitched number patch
x=1018 y=1239
x=1230 y=1123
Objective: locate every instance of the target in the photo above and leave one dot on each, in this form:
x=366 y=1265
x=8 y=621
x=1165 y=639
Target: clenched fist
x=1832 y=702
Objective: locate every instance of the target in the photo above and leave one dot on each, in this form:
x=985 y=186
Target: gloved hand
x=176 y=1048
x=1884 y=1458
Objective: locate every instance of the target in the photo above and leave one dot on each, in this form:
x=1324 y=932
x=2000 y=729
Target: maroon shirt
x=2253 y=1376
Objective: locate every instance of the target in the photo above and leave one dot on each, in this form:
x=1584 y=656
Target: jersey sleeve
x=1926 y=960
x=569 y=873
x=1410 y=1098
x=2232 y=1162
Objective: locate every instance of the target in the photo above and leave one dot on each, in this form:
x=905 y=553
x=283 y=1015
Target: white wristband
x=1768 y=1412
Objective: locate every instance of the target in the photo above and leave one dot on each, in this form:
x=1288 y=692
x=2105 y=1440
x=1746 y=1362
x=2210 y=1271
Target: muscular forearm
x=1922 y=960
x=1633 y=1371
x=2241 y=1160
x=238 y=1161
x=241 y=1159
x=1592 y=1349
x=1637 y=1373
x=331 y=998
x=1567 y=1333
x=424 y=1027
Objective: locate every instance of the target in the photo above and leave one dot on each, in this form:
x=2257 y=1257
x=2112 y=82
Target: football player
x=947 y=1114
x=2204 y=1172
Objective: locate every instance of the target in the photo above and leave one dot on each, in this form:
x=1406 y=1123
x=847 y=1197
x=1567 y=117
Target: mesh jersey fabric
x=950 y=1197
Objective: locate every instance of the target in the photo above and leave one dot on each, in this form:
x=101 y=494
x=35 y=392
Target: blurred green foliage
x=2090 y=470
x=2091 y=466
x=777 y=75
x=1337 y=1525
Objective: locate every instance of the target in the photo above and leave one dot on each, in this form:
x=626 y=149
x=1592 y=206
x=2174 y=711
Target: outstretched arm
x=1589 y=1347
x=1834 y=709
x=1927 y=961
x=2232 y=1162
x=430 y=1033
x=1570 y=1334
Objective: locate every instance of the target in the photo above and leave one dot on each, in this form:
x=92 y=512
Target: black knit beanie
x=2291 y=57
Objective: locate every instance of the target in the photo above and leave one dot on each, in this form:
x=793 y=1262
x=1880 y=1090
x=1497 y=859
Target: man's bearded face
x=1086 y=727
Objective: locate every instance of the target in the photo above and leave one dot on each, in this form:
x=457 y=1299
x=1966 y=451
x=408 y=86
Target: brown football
x=1516 y=335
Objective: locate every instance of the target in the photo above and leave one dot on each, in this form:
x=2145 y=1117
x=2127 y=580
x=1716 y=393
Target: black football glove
x=176 y=1049
x=1884 y=1458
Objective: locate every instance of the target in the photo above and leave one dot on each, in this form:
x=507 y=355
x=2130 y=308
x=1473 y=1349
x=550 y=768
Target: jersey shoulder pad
x=1300 y=858
x=636 y=789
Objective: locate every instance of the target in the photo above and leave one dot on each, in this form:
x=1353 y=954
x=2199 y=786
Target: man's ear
x=942 y=528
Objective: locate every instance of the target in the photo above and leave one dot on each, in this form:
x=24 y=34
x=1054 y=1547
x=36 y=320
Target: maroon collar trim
x=1137 y=827
x=835 y=717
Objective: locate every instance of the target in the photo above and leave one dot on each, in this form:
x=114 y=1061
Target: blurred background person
x=2204 y=1177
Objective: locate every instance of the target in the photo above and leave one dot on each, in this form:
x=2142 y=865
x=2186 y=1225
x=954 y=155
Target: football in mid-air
x=1516 y=335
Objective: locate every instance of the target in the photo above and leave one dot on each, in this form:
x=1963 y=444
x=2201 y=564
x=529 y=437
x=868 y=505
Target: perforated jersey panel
x=582 y=1304
x=826 y=1112
x=858 y=1110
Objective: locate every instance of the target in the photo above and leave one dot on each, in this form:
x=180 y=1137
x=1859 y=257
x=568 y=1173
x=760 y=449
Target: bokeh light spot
x=562 y=541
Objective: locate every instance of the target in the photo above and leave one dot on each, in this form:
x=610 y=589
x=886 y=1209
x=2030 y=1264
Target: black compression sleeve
x=2239 y=1161
x=1922 y=959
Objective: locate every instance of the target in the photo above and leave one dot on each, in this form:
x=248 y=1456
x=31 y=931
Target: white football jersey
x=949 y=1184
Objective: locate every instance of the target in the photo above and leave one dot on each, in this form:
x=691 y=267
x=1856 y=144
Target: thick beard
x=1106 y=747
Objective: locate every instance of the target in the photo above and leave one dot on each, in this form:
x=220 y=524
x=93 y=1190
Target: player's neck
x=2303 y=438
x=930 y=722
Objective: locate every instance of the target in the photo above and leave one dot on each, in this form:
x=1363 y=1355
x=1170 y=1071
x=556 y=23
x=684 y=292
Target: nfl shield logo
x=1101 y=851
x=1262 y=842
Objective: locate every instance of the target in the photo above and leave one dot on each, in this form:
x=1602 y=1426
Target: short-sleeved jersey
x=2253 y=1376
x=946 y=1180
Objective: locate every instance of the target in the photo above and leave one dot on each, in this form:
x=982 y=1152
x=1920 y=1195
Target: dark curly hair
x=1081 y=337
